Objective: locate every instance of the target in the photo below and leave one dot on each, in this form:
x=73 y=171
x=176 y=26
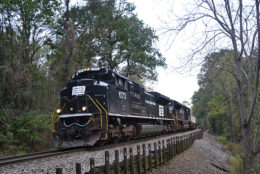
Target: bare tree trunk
x=230 y=117
x=69 y=44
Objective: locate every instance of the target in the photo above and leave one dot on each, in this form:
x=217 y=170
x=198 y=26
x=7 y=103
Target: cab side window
x=121 y=83
x=134 y=88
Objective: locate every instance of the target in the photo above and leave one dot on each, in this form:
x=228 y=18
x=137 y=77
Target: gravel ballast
x=67 y=161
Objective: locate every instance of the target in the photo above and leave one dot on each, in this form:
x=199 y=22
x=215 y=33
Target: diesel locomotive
x=100 y=105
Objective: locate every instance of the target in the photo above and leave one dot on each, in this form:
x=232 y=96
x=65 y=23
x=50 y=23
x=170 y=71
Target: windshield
x=97 y=75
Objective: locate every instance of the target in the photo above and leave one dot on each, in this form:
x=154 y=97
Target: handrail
x=105 y=112
x=53 y=114
x=100 y=111
x=174 y=118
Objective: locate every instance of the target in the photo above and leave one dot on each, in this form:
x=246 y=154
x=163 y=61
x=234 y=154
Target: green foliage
x=235 y=161
x=222 y=139
x=200 y=107
x=217 y=113
x=236 y=165
x=25 y=133
x=217 y=107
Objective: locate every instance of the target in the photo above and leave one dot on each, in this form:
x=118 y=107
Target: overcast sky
x=172 y=83
x=178 y=86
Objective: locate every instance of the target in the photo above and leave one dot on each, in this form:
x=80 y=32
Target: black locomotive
x=99 y=105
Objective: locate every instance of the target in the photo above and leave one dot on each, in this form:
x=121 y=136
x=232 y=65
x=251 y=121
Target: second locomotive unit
x=99 y=105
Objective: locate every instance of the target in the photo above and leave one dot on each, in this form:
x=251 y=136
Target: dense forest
x=42 y=42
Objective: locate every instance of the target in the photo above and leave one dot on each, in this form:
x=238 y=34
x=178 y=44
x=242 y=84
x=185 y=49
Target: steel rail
x=37 y=155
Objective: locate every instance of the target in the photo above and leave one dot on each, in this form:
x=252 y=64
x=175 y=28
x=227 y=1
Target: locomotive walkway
x=204 y=157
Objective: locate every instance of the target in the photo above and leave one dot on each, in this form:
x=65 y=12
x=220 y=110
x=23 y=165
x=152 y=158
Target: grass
x=222 y=139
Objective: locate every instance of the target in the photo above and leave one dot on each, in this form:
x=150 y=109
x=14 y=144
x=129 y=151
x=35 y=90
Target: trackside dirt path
x=204 y=157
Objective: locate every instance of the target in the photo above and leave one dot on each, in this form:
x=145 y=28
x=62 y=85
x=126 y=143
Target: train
x=98 y=105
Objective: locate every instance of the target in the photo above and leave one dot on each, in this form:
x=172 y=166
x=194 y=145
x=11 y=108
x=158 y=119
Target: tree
x=216 y=76
x=200 y=108
x=217 y=113
x=24 y=30
x=237 y=25
x=61 y=62
x=116 y=38
x=137 y=50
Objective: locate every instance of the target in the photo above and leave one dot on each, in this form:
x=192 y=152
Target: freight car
x=99 y=105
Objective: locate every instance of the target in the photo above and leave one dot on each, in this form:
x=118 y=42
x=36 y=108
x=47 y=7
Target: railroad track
x=38 y=155
x=15 y=159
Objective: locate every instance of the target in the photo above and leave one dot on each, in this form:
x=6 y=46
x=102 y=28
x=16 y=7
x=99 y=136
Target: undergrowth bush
x=22 y=134
x=236 y=161
x=222 y=139
x=236 y=165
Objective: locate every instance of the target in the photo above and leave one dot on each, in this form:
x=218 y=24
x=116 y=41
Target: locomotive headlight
x=58 y=111
x=84 y=108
